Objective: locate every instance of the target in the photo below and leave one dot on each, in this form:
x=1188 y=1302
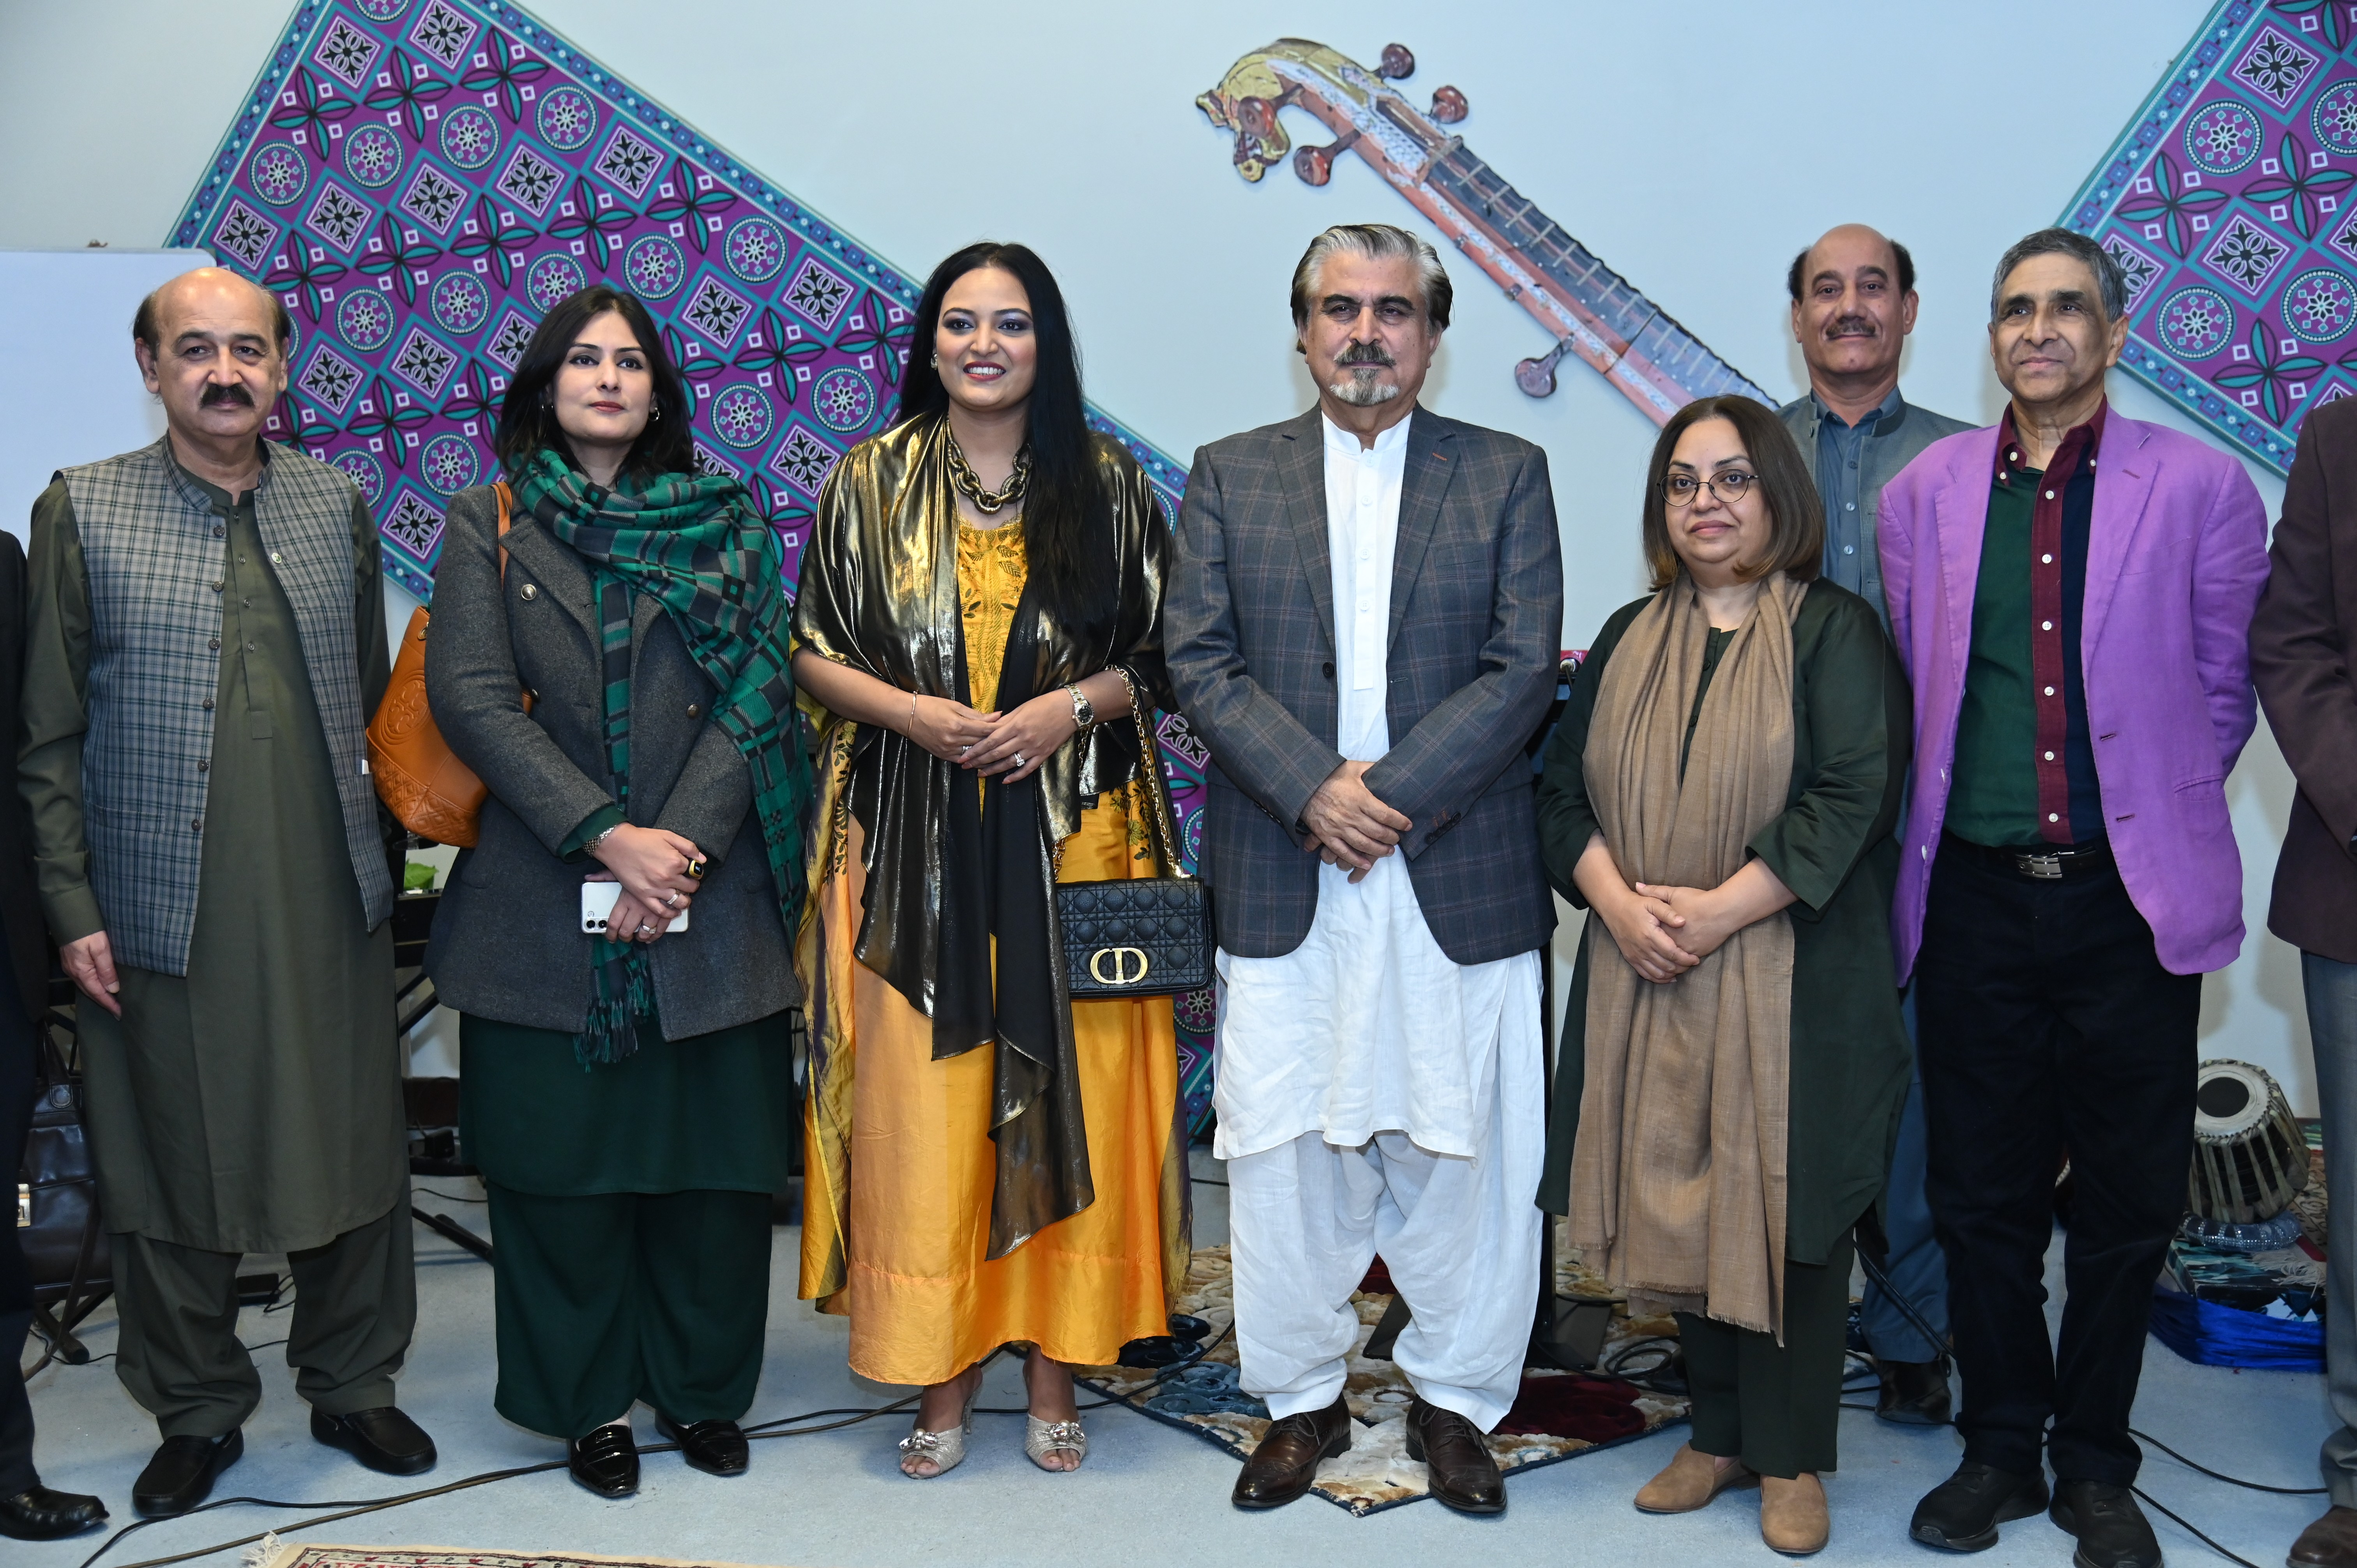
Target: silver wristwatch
x=1084 y=712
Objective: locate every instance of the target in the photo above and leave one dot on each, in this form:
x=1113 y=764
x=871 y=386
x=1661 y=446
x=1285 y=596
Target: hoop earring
x=937 y=361
x=656 y=416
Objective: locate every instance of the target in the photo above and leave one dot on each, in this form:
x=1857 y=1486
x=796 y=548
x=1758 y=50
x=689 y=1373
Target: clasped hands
x=1664 y=931
x=1009 y=746
x=1349 y=824
x=651 y=866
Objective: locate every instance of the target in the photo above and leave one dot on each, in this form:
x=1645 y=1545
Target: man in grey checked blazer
x=1362 y=624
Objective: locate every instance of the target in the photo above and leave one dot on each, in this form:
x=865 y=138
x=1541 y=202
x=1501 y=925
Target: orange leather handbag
x=418 y=777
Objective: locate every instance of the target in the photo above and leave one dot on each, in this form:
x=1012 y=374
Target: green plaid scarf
x=689 y=541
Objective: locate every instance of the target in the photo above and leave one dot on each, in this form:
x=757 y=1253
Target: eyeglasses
x=1729 y=488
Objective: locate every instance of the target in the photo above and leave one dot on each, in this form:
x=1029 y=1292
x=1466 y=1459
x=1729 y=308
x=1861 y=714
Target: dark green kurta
x=1833 y=846
x=254 y=1105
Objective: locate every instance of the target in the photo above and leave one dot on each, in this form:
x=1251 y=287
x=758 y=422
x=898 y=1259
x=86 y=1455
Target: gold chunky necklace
x=989 y=502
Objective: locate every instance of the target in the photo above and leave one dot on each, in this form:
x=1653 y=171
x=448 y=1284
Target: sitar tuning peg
x=1397 y=64
x=1316 y=164
x=1448 y=106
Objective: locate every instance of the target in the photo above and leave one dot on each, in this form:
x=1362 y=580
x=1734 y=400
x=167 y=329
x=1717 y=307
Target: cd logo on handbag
x=1121 y=956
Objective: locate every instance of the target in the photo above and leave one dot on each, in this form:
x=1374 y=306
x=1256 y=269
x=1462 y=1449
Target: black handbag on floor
x=1138 y=935
x=58 y=1219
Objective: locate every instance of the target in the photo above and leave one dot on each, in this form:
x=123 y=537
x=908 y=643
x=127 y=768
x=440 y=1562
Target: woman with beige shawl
x=1721 y=794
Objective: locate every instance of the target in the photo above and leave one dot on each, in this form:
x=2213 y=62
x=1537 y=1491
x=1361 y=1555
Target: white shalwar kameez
x=1374 y=1097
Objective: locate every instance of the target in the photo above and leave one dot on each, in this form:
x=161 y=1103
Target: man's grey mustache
x=1853 y=327
x=233 y=393
x=1366 y=354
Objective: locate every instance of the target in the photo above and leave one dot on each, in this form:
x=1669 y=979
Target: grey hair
x=1377 y=242
x=2111 y=283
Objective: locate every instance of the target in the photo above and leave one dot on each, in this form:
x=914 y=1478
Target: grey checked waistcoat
x=156 y=558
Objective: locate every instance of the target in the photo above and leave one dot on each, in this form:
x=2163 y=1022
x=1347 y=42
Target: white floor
x=1149 y=1495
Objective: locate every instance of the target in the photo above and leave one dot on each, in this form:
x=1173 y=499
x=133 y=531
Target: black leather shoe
x=37 y=1513
x=1914 y=1394
x=1962 y=1513
x=1285 y=1462
x=182 y=1473
x=715 y=1447
x=383 y=1439
x=2111 y=1529
x=607 y=1461
x=1463 y=1474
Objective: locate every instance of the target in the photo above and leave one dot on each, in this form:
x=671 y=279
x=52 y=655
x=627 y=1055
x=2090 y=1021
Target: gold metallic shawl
x=880 y=594
x=1678 y=1176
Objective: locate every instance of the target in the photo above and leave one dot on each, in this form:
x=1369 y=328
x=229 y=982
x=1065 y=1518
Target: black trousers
x=2048 y=1027
x=17 y=1045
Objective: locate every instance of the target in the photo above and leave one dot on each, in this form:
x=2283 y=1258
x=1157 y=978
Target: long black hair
x=528 y=423
x=1067 y=519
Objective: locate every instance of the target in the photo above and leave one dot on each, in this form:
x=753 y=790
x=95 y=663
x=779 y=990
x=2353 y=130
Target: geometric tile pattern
x=2229 y=202
x=421 y=180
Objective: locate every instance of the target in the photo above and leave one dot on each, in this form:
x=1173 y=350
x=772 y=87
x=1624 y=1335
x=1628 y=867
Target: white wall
x=1694 y=148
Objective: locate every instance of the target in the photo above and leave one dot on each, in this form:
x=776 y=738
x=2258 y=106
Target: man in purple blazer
x=2071 y=592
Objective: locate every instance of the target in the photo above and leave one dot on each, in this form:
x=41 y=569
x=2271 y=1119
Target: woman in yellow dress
x=980 y=610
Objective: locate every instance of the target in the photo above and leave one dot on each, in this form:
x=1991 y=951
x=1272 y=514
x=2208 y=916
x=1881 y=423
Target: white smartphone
x=597 y=909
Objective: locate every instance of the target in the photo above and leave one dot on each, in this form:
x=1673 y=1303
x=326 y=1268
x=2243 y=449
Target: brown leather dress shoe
x=1690 y=1481
x=2330 y=1543
x=1463 y=1475
x=1285 y=1462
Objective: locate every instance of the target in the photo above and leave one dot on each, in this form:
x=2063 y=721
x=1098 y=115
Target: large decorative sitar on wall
x=419 y=180
x=1587 y=308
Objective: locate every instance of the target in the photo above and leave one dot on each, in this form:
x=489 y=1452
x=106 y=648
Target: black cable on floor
x=2230 y=1480
x=2182 y=1524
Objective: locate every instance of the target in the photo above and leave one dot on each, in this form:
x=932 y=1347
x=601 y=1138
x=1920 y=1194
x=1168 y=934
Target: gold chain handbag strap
x=1150 y=771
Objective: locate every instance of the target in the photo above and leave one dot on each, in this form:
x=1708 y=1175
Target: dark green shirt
x=1713 y=647
x=1993 y=795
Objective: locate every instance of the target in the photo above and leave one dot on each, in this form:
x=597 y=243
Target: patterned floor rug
x=1558 y=1416
x=274 y=1553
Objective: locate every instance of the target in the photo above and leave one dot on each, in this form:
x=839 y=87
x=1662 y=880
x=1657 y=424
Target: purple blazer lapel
x=2125 y=471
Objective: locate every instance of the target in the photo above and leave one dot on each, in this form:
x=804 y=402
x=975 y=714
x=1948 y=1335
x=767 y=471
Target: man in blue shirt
x=1853 y=306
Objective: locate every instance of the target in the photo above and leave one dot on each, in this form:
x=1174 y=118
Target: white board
x=70 y=392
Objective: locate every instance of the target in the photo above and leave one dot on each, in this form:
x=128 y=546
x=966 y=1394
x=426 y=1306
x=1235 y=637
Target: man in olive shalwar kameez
x=205 y=641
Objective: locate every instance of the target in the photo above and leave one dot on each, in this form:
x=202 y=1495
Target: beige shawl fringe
x=1678 y=1176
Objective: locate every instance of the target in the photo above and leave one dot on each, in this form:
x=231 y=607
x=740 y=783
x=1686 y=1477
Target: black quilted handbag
x=1140 y=936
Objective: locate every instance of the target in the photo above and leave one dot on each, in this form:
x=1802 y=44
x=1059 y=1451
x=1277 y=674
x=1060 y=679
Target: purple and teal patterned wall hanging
x=420 y=180
x=2228 y=202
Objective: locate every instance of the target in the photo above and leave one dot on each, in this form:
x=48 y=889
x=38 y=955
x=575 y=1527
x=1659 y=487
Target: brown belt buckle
x=2044 y=867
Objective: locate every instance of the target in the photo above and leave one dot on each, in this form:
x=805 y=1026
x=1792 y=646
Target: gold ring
x=695 y=868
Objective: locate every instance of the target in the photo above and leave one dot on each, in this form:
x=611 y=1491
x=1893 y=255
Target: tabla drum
x=2249 y=1158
